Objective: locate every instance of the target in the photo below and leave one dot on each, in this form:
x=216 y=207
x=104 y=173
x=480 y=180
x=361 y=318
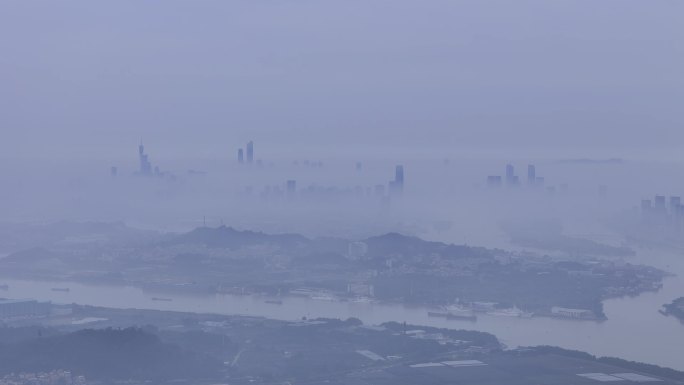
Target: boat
x=510 y=312
x=274 y=301
x=361 y=300
x=456 y=312
x=65 y=289
x=453 y=312
x=162 y=299
x=323 y=297
x=465 y=317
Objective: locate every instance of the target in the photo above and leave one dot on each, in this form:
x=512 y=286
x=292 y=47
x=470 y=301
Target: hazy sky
x=89 y=78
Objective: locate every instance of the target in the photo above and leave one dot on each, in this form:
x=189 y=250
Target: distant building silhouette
x=659 y=203
x=646 y=205
x=145 y=165
x=291 y=188
x=241 y=156
x=531 y=175
x=397 y=185
x=511 y=179
x=250 y=152
x=675 y=202
x=494 y=181
x=114 y=171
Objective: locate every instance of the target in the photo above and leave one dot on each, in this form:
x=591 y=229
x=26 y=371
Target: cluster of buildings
x=145 y=167
x=564 y=312
x=23 y=308
x=246 y=156
x=250 y=154
x=510 y=179
x=289 y=190
x=662 y=210
x=514 y=180
x=55 y=377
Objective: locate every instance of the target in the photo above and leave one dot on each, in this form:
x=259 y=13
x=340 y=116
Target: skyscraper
x=659 y=204
x=291 y=188
x=396 y=186
x=511 y=179
x=494 y=181
x=250 y=152
x=399 y=175
x=531 y=174
x=646 y=205
x=145 y=165
x=241 y=156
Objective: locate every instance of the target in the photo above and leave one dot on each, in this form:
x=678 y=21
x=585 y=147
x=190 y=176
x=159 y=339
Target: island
x=397 y=268
x=675 y=309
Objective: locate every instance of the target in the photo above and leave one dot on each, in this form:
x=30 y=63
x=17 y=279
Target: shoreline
x=188 y=290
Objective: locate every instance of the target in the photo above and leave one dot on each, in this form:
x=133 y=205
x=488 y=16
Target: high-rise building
x=531 y=174
x=675 y=202
x=399 y=175
x=511 y=179
x=494 y=181
x=291 y=187
x=145 y=165
x=397 y=185
x=250 y=152
x=141 y=158
x=659 y=203
x=114 y=171
x=241 y=156
x=646 y=205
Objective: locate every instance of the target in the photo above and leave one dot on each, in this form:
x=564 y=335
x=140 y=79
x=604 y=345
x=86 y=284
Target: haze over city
x=354 y=192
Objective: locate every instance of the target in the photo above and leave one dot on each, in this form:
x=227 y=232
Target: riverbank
x=322 y=350
x=662 y=344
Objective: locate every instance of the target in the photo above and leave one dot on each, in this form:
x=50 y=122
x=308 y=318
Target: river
x=634 y=329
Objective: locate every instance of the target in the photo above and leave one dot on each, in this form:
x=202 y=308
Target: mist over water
x=511 y=168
